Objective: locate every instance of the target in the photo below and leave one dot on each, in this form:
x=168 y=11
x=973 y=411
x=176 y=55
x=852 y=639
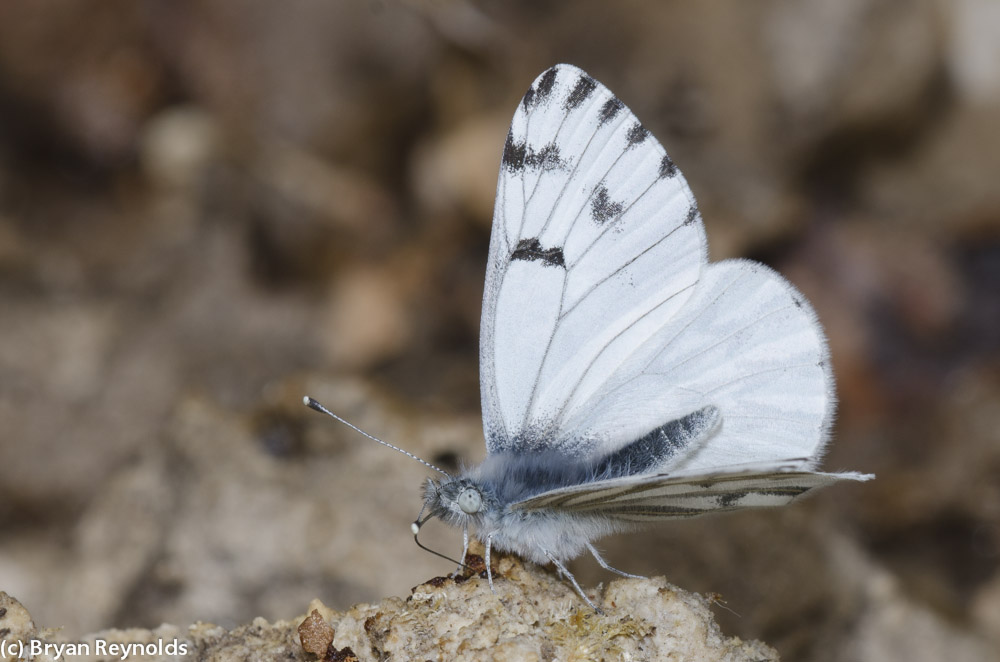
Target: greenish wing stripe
x=601 y=504
x=593 y=498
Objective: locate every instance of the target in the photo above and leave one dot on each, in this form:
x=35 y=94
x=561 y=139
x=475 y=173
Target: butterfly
x=624 y=378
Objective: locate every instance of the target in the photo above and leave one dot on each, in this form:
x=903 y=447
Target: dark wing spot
x=692 y=215
x=610 y=108
x=513 y=154
x=531 y=250
x=730 y=499
x=637 y=134
x=602 y=208
x=583 y=89
x=545 y=85
x=529 y=98
x=667 y=168
x=797 y=301
x=547 y=158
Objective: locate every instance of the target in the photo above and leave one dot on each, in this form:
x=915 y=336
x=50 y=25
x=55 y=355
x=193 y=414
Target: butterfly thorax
x=514 y=477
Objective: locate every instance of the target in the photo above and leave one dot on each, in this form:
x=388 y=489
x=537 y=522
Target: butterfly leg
x=604 y=564
x=489 y=571
x=566 y=573
x=465 y=550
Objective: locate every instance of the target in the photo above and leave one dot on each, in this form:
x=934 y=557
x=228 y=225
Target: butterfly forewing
x=596 y=244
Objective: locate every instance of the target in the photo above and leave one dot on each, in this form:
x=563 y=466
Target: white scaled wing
x=747 y=343
x=597 y=246
x=605 y=332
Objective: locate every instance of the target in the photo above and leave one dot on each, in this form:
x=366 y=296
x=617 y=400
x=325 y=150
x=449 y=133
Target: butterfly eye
x=470 y=501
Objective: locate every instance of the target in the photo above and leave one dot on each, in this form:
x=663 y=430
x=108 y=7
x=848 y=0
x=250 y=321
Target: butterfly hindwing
x=596 y=244
x=747 y=343
x=660 y=497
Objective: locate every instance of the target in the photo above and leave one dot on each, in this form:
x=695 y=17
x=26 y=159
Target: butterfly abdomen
x=657 y=450
x=518 y=475
x=535 y=535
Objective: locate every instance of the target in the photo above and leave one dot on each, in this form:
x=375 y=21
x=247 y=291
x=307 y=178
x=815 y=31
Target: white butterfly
x=624 y=378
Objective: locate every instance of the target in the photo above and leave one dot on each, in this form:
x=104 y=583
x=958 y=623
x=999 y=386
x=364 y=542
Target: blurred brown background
x=209 y=209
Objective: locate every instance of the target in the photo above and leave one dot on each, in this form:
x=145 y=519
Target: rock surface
x=532 y=616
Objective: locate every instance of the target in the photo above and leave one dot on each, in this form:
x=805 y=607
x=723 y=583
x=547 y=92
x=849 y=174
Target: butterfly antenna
x=312 y=404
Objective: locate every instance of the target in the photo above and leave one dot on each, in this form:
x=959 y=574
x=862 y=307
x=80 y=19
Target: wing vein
x=597 y=159
x=617 y=271
x=576 y=166
x=722 y=340
x=607 y=344
x=758 y=373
